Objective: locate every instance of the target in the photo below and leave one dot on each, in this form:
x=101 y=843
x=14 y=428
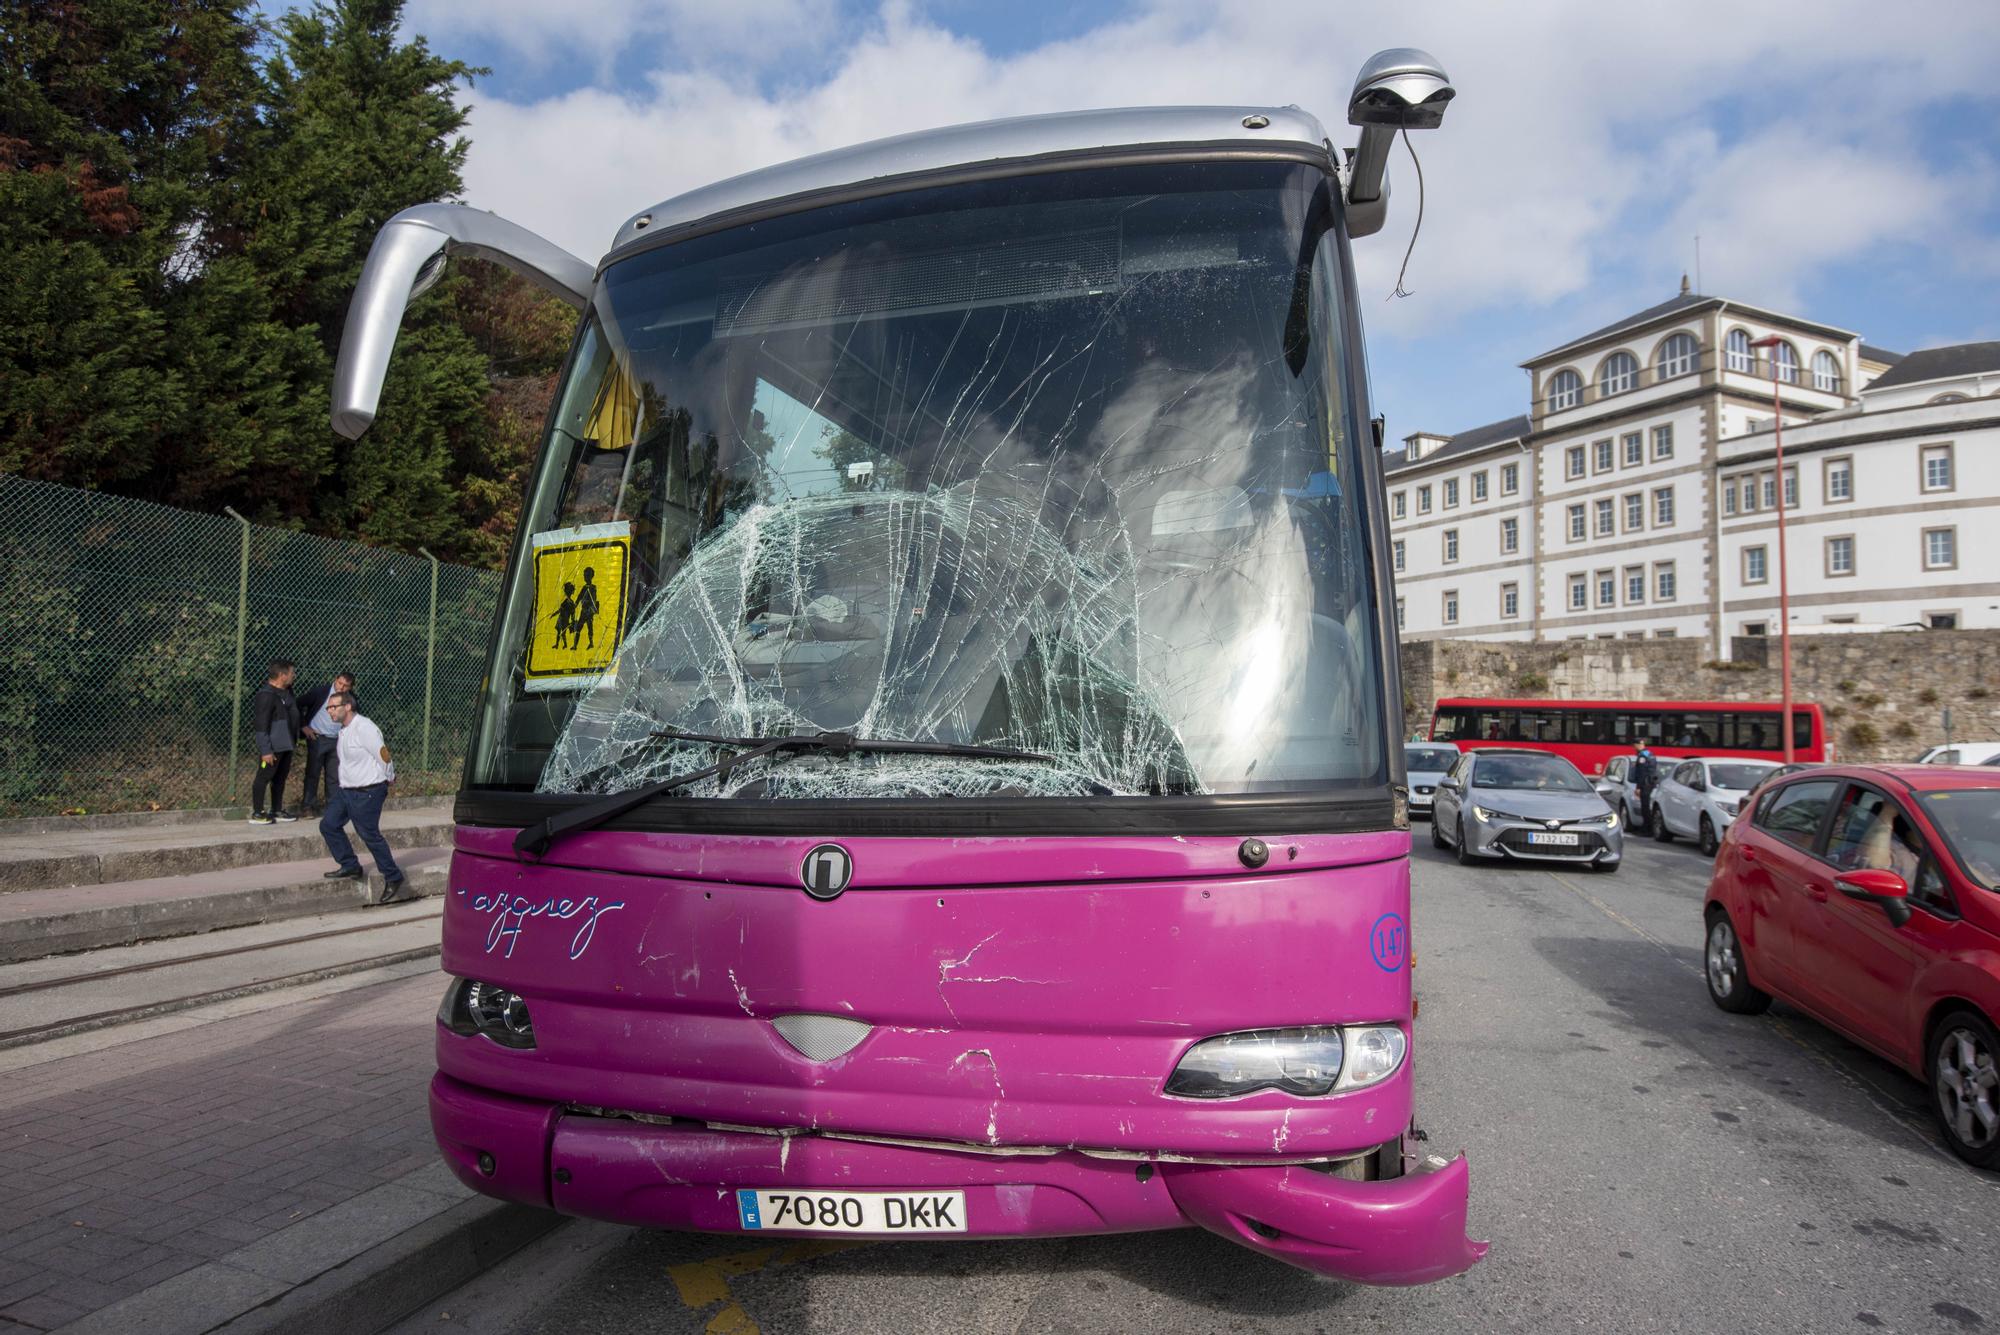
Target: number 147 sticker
x=1389 y=942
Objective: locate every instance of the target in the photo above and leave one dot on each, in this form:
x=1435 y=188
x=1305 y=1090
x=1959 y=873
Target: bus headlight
x=472 y=1007
x=1298 y=1061
x=1374 y=1053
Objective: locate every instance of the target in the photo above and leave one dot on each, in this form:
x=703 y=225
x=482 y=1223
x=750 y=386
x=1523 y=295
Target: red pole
x=1784 y=582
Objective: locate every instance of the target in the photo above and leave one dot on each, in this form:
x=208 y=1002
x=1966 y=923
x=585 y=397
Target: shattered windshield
x=1060 y=464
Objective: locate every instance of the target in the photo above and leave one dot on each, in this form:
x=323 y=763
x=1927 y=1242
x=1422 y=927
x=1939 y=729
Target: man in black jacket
x=1645 y=776
x=274 y=732
x=322 y=737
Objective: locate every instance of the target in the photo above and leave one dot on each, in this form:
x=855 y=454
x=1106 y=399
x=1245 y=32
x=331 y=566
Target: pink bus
x=939 y=773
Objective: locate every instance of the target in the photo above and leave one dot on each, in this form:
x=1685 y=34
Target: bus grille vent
x=821 y=1037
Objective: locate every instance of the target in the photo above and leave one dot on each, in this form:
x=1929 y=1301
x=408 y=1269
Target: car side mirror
x=1448 y=782
x=1880 y=886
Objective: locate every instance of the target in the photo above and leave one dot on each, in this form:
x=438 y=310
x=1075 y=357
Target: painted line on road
x=1880 y=1099
x=703 y=1284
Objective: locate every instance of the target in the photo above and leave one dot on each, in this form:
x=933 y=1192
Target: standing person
x=1645 y=774
x=361 y=784
x=321 y=735
x=275 y=731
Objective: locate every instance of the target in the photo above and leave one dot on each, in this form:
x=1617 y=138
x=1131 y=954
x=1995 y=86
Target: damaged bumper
x=685 y=1175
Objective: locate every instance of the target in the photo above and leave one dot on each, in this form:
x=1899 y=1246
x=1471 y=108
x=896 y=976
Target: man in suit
x=322 y=736
x=274 y=732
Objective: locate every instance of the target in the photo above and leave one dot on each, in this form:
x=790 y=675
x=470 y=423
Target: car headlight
x=1609 y=820
x=1494 y=813
x=1727 y=808
x=1310 y=1060
x=472 y=1007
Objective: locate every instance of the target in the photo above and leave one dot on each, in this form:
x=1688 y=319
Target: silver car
x=1427 y=763
x=1525 y=806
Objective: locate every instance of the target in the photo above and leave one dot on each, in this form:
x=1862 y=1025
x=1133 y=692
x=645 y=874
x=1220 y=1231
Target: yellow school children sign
x=579 y=604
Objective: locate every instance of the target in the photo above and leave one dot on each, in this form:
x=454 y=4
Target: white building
x=1616 y=507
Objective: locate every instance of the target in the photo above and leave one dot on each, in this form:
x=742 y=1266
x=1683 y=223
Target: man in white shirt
x=361 y=779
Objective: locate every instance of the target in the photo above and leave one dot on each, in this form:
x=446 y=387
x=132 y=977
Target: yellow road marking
x=703 y=1284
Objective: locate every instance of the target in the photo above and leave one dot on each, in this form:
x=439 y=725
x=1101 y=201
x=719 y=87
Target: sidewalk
x=195 y=1178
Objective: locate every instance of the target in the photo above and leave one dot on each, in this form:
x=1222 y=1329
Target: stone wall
x=1883 y=694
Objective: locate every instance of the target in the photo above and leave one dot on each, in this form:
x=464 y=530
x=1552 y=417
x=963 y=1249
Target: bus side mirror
x=1398 y=89
x=407 y=257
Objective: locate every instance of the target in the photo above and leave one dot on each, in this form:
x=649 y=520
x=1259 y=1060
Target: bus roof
x=1740 y=706
x=871 y=167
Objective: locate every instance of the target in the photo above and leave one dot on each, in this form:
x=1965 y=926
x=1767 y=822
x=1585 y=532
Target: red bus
x=1589 y=732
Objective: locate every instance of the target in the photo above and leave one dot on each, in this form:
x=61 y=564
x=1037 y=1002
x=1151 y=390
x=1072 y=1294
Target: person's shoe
x=284 y=817
x=259 y=818
x=396 y=892
x=343 y=874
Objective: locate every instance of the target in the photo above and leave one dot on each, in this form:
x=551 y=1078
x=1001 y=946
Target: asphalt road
x=1641 y=1162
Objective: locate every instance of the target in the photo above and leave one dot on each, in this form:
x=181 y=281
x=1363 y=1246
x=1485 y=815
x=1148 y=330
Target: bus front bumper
x=686 y=1175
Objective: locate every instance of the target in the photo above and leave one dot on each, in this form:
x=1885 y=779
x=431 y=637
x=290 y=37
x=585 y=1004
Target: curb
x=336 y=1273
x=127 y=820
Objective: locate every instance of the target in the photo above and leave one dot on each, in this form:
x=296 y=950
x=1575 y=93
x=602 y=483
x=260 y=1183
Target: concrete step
x=54 y=921
x=102 y=855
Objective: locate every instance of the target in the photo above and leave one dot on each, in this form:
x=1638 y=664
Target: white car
x=1961 y=753
x=1698 y=799
x=1426 y=764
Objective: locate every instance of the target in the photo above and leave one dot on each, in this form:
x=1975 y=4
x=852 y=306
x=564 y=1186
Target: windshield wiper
x=536 y=839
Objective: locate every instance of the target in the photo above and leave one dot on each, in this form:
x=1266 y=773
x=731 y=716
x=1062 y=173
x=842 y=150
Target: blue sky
x=1841 y=161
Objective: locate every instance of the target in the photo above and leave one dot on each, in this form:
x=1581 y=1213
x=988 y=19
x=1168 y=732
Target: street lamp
x=1771 y=345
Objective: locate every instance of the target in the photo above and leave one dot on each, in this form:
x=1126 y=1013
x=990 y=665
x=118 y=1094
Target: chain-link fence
x=133 y=637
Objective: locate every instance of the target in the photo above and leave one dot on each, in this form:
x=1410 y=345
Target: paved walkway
x=126 y=1165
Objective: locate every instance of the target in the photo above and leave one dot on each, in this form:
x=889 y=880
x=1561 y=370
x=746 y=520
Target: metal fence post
x=242 y=617
x=430 y=660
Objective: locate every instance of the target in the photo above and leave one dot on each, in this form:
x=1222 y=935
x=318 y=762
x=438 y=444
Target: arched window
x=1737 y=353
x=1619 y=373
x=1826 y=372
x=1565 y=389
x=1786 y=358
x=1953 y=397
x=1677 y=357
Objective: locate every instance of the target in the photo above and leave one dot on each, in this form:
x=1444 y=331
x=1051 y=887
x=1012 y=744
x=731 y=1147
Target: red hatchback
x=1869 y=897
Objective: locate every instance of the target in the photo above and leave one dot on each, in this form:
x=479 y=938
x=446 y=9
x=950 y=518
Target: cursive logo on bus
x=826 y=871
x=1389 y=942
x=511 y=914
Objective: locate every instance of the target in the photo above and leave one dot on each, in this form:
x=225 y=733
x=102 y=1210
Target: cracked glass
x=1058 y=463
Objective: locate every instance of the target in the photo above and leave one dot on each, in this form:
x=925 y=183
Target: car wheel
x=1965 y=1086
x=1660 y=830
x=1463 y=851
x=1437 y=835
x=1709 y=843
x=1722 y=964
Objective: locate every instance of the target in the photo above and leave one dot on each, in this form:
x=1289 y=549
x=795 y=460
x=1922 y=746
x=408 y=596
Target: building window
x=1635 y=634
x=1840 y=479
x=1937 y=468
x=1786 y=358
x=1510 y=535
x=1635 y=512
x=1737 y=353
x=1758 y=629
x=1847 y=620
x=1791 y=488
x=1607 y=518
x=1399 y=554
x=1663 y=582
x=1951 y=397
x=1479 y=485
x=1573 y=461
x=1941 y=549
x=1398 y=504
x=1663 y=441
x=1677 y=357
x=1840 y=555
x=1635 y=584
x=1576 y=523
x=1600 y=456
x=1619 y=373
x=1399 y=614
x=1826 y=372
x=1451 y=493
x=1579 y=593
x=1510 y=601
x=1451 y=607
x=1510 y=479
x=1941 y=620
x=1755 y=565
x=1665 y=634
x=1565 y=389
x=1635 y=448
x=1607 y=588
x=1450 y=545
x=1729 y=496
x=1770 y=491
x=1663 y=507
x=1423 y=500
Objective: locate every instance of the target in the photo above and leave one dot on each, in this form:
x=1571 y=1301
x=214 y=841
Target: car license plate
x=1544 y=837
x=853 y=1211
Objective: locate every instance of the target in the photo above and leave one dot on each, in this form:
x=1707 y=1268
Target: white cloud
x=1588 y=139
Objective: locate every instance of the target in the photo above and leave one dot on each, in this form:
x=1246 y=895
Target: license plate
x=1543 y=837
x=1425 y=792
x=853 y=1211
